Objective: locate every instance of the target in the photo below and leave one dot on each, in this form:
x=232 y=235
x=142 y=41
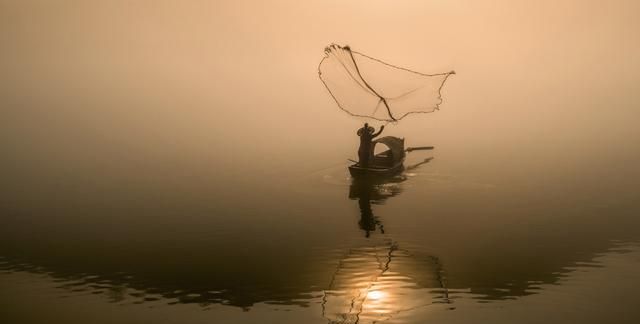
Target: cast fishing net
x=364 y=86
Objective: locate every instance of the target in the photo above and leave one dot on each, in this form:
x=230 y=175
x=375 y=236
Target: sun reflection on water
x=375 y=295
x=377 y=282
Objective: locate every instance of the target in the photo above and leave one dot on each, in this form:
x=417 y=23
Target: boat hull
x=357 y=171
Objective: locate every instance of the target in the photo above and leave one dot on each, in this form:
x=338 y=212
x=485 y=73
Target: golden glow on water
x=378 y=282
x=375 y=295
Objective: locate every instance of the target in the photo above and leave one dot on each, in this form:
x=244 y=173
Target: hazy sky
x=167 y=80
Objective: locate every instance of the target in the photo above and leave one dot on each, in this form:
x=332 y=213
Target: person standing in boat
x=365 y=152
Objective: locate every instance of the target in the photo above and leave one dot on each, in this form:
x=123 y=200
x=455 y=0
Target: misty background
x=112 y=106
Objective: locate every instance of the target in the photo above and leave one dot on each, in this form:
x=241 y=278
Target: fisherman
x=365 y=152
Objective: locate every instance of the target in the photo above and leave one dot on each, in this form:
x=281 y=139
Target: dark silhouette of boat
x=387 y=163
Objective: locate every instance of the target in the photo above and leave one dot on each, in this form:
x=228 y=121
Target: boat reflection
x=376 y=190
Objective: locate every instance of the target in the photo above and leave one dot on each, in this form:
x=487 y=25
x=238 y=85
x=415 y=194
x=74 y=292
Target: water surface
x=183 y=164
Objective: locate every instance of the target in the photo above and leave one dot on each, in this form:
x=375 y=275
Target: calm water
x=320 y=247
x=183 y=164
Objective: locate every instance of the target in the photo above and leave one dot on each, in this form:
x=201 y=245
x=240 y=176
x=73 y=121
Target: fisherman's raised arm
x=378 y=133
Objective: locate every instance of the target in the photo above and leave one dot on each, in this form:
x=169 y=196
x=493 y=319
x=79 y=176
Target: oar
x=409 y=149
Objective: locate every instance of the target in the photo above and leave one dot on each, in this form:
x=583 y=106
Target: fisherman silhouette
x=365 y=152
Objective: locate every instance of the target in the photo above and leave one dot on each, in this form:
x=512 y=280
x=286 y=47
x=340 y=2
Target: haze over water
x=182 y=163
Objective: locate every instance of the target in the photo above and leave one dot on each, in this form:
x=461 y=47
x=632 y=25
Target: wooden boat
x=357 y=171
x=386 y=163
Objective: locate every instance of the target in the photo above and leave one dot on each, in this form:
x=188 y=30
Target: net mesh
x=364 y=86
